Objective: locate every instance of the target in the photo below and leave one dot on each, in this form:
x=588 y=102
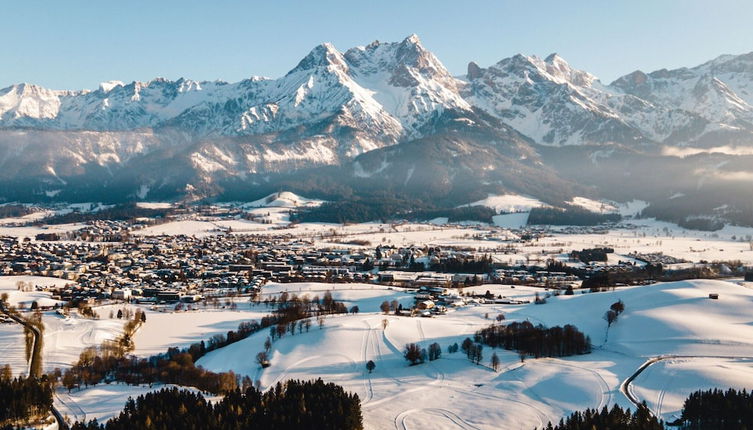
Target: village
x=105 y=260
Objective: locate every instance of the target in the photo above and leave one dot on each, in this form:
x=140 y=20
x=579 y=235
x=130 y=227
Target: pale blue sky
x=72 y=44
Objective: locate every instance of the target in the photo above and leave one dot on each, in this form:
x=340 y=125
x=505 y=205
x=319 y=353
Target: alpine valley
x=388 y=121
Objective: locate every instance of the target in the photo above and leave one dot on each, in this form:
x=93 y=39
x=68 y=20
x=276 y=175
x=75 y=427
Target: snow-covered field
x=651 y=236
x=509 y=203
x=284 y=199
x=672 y=318
x=367 y=297
x=66 y=337
x=12 y=348
x=180 y=329
x=665 y=384
x=23 y=299
x=663 y=319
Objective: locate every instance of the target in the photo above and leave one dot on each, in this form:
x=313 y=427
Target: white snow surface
x=284 y=199
x=187 y=327
x=663 y=319
x=24 y=299
x=671 y=318
x=12 y=345
x=593 y=205
x=104 y=401
x=509 y=203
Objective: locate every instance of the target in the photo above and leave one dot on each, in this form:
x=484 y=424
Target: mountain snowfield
x=168 y=139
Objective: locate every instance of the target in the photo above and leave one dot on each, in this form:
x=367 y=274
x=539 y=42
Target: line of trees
x=23 y=400
x=592 y=254
x=474 y=351
x=385 y=207
x=120 y=212
x=614 y=419
x=718 y=409
x=535 y=340
x=291 y=405
x=465 y=265
x=569 y=216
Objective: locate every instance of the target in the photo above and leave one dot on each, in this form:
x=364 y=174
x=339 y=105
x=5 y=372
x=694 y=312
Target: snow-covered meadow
x=672 y=318
x=707 y=343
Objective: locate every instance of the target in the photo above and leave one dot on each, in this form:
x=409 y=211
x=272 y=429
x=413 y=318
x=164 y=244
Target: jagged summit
x=323 y=55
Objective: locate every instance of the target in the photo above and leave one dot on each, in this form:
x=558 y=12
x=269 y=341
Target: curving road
x=62 y=425
x=626 y=388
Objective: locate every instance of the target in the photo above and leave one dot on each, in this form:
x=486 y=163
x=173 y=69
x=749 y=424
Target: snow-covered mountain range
x=167 y=137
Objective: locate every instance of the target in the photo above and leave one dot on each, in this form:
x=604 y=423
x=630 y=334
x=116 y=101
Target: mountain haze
x=386 y=117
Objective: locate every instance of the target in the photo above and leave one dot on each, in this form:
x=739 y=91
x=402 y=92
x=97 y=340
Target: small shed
x=714 y=296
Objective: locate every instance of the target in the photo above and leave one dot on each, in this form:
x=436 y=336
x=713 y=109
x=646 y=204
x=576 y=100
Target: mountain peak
x=322 y=55
x=413 y=39
x=474 y=71
x=553 y=58
x=109 y=85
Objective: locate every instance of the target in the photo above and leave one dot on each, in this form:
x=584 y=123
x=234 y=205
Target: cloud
x=736 y=176
x=682 y=152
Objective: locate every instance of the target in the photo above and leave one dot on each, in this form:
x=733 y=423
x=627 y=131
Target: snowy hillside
x=672 y=318
x=509 y=203
x=284 y=199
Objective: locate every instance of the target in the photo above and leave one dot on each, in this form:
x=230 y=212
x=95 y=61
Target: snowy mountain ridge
x=334 y=106
x=391 y=90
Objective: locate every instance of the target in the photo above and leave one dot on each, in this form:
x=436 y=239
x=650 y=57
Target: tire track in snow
x=400 y=423
x=283 y=375
x=72 y=406
x=606 y=393
x=439 y=376
x=540 y=415
x=367 y=375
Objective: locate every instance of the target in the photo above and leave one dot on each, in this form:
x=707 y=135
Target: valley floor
x=705 y=343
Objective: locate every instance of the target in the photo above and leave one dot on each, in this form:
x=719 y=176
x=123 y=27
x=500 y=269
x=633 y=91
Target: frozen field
x=66 y=337
x=367 y=297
